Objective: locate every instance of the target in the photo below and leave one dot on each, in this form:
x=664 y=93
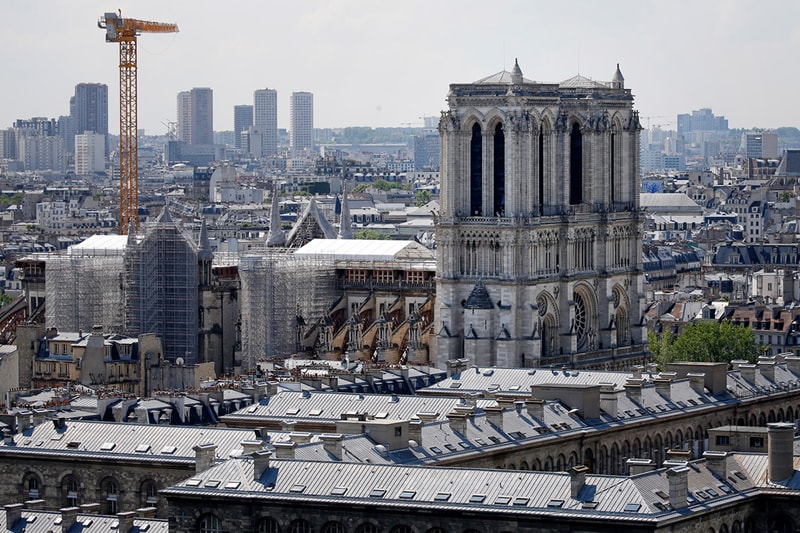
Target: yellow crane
x=124 y=31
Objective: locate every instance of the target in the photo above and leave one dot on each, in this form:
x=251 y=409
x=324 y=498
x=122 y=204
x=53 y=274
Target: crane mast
x=124 y=31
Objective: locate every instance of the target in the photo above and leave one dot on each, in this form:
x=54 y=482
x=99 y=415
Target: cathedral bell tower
x=539 y=244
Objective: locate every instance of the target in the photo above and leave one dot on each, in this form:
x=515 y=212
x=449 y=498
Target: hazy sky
x=387 y=63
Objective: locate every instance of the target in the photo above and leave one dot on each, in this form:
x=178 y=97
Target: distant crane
x=124 y=31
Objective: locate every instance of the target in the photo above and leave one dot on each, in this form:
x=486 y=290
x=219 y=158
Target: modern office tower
x=38 y=144
x=89 y=111
x=242 y=120
x=701 y=120
x=759 y=145
x=302 y=117
x=265 y=119
x=8 y=144
x=90 y=150
x=196 y=116
x=426 y=151
x=539 y=248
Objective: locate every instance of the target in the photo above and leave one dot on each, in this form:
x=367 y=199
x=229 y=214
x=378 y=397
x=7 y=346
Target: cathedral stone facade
x=538 y=237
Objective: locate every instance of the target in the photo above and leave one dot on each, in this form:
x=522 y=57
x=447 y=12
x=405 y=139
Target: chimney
x=637 y=371
x=767 y=369
x=748 y=373
x=651 y=367
x=577 y=479
x=125 y=521
x=428 y=417
x=717 y=462
x=536 y=409
x=608 y=399
x=285 y=450
x=779 y=450
x=736 y=363
x=640 y=466
x=146 y=512
x=34 y=505
x=505 y=402
x=494 y=415
x=205 y=456
x=90 y=508
x=697 y=381
x=8 y=438
x=249 y=447
x=260 y=463
x=287 y=425
x=633 y=389
x=415 y=431
x=458 y=422
x=332 y=443
x=663 y=387
x=13 y=514
x=678 y=486
x=793 y=364
x=300 y=437
x=69 y=517
x=679 y=455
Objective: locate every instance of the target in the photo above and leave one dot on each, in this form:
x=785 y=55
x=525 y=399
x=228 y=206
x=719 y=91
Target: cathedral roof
x=479 y=298
x=580 y=82
x=503 y=77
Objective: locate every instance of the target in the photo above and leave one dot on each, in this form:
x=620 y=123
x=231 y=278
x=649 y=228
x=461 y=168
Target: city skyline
x=389 y=64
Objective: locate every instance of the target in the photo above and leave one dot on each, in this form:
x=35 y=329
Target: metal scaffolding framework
x=84 y=290
x=162 y=275
x=280 y=293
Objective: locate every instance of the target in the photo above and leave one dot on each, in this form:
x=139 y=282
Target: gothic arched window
x=575 y=165
x=499 y=171
x=476 y=172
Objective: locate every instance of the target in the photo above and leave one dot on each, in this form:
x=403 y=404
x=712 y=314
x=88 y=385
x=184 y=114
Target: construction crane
x=124 y=31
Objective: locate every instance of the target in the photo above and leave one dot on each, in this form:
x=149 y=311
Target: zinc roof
x=364 y=250
x=141 y=440
x=50 y=521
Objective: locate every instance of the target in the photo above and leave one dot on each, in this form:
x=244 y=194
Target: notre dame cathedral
x=539 y=246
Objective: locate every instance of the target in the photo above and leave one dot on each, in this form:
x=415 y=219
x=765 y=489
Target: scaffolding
x=83 y=291
x=282 y=295
x=85 y=286
x=162 y=278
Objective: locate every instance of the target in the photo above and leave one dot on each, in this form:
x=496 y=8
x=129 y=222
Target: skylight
x=407 y=495
x=551 y=503
x=632 y=507
x=441 y=497
x=297 y=488
x=377 y=493
x=339 y=491
x=477 y=498
x=108 y=446
x=502 y=500
x=143 y=448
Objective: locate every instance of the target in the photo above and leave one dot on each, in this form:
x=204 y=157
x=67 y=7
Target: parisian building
x=539 y=245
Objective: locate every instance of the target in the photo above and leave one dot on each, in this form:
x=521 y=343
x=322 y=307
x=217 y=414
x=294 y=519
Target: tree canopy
x=706 y=341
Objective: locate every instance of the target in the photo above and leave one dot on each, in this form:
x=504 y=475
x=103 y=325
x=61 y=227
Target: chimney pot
x=332 y=443
x=577 y=476
x=717 y=462
x=13 y=514
x=678 y=486
x=284 y=450
x=125 y=521
x=780 y=445
x=69 y=516
x=260 y=463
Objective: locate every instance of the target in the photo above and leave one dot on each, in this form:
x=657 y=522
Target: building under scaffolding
x=85 y=286
x=162 y=280
x=280 y=293
x=338 y=298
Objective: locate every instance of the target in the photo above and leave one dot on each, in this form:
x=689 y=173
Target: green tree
x=370 y=234
x=706 y=341
x=422 y=197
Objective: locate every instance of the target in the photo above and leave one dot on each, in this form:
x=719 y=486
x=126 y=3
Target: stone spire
x=516 y=73
x=275 y=237
x=205 y=253
x=618 y=81
x=345 y=226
